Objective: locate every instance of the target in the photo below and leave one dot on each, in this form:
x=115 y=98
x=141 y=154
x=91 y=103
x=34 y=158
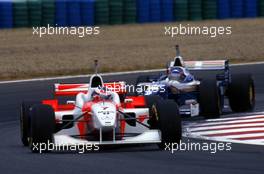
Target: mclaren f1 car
x=101 y=114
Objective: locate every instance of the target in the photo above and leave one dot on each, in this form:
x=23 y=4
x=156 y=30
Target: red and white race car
x=102 y=114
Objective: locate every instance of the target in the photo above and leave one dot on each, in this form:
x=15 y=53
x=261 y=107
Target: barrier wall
x=6 y=14
x=223 y=9
x=29 y=13
x=195 y=9
x=209 y=9
x=143 y=11
x=87 y=12
x=166 y=10
x=155 y=11
x=181 y=10
x=130 y=11
x=116 y=11
x=261 y=7
x=237 y=8
x=250 y=9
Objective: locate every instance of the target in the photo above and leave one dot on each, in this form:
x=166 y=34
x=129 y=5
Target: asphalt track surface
x=14 y=158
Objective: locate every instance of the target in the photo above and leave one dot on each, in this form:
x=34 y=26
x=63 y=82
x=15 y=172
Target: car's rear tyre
x=42 y=126
x=241 y=93
x=209 y=99
x=150 y=100
x=25 y=121
x=169 y=122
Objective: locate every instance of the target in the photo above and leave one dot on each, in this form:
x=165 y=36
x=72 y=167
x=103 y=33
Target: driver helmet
x=102 y=93
x=176 y=73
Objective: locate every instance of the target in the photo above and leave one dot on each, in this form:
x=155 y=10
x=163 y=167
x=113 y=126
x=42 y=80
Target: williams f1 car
x=101 y=114
x=200 y=96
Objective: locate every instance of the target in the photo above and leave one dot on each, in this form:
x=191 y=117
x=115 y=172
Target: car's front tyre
x=25 y=121
x=42 y=127
x=168 y=122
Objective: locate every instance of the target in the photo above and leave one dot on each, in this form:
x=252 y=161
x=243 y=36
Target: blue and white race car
x=205 y=96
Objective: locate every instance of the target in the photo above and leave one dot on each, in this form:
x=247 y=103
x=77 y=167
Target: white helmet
x=176 y=73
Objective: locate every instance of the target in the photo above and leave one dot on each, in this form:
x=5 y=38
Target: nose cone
x=104 y=115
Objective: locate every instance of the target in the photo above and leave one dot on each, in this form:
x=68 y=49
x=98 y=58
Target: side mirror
x=168 y=65
x=71 y=102
x=128 y=100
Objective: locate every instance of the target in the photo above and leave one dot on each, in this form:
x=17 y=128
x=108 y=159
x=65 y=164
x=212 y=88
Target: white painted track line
x=227 y=127
x=232 y=122
x=80 y=76
x=105 y=74
x=245 y=117
x=236 y=129
x=242 y=131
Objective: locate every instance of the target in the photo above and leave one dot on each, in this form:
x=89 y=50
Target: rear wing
x=74 y=89
x=206 y=65
x=214 y=65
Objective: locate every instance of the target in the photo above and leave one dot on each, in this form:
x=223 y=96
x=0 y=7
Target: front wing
x=147 y=137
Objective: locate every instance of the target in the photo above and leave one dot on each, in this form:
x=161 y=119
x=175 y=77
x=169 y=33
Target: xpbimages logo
x=189 y=30
x=50 y=146
x=212 y=147
x=139 y=88
x=74 y=31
